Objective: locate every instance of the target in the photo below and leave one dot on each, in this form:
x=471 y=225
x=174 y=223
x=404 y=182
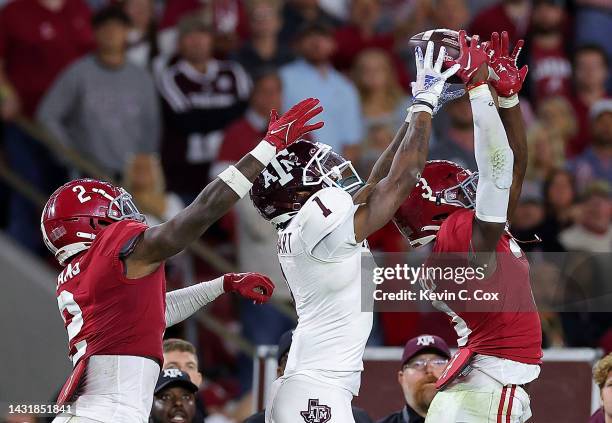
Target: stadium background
x=52 y=131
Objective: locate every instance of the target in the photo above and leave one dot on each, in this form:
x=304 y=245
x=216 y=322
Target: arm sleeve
x=182 y=303
x=58 y=104
x=493 y=156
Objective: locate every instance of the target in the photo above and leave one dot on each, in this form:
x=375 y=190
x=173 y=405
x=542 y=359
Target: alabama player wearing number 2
x=111 y=293
x=323 y=214
x=466 y=213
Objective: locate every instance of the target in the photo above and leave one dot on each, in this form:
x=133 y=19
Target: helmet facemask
x=462 y=194
x=332 y=170
x=124 y=208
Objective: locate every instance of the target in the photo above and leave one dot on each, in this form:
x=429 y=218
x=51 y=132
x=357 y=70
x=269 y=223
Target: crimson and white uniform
x=321 y=261
x=115 y=328
x=505 y=335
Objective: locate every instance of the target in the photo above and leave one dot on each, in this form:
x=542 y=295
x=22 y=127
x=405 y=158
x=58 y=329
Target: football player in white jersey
x=324 y=213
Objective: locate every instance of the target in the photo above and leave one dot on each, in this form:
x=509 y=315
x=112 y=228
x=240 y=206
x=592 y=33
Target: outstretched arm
x=182 y=303
x=381 y=199
x=492 y=151
x=163 y=241
x=508 y=81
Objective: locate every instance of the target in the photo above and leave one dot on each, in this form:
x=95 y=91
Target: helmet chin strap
x=419 y=242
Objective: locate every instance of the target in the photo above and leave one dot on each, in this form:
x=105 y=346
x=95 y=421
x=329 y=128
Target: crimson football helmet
x=296 y=173
x=78 y=210
x=443 y=188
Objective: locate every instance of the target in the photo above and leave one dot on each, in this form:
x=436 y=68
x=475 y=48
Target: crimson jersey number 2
x=325 y=210
x=66 y=302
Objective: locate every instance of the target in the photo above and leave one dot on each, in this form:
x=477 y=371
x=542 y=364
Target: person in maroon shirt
x=590 y=73
x=38 y=39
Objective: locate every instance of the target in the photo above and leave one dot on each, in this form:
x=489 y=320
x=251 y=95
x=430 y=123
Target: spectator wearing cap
x=103 y=106
x=312 y=75
x=200 y=97
x=596 y=162
x=174 y=398
x=590 y=67
x=263 y=48
x=423 y=362
x=282 y=353
x=593 y=230
x=602 y=376
x=38 y=39
x=182 y=355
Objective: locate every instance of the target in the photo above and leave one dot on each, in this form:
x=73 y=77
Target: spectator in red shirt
x=550 y=68
x=590 y=73
x=508 y=15
x=38 y=39
x=361 y=33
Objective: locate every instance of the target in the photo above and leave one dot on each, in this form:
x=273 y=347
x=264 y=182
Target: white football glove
x=430 y=80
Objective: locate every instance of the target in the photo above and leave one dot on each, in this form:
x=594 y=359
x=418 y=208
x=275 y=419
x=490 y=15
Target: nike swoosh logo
x=469 y=62
x=282 y=128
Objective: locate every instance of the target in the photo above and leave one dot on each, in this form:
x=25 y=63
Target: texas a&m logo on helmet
x=296 y=173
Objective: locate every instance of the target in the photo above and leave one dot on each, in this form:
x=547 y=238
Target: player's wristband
x=508 y=102
x=480 y=91
x=236 y=181
x=471 y=87
x=264 y=152
x=422 y=106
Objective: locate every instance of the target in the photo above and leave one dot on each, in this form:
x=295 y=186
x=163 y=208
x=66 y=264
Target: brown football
x=440 y=37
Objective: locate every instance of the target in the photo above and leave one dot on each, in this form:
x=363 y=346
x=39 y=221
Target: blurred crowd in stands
x=160 y=96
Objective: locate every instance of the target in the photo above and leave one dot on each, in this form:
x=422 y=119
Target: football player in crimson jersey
x=464 y=212
x=316 y=200
x=111 y=293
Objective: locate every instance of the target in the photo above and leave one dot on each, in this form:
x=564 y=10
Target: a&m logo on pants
x=316 y=413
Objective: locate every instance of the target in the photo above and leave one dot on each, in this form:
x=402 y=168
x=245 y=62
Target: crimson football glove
x=290 y=127
x=253 y=286
x=470 y=58
x=507 y=79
